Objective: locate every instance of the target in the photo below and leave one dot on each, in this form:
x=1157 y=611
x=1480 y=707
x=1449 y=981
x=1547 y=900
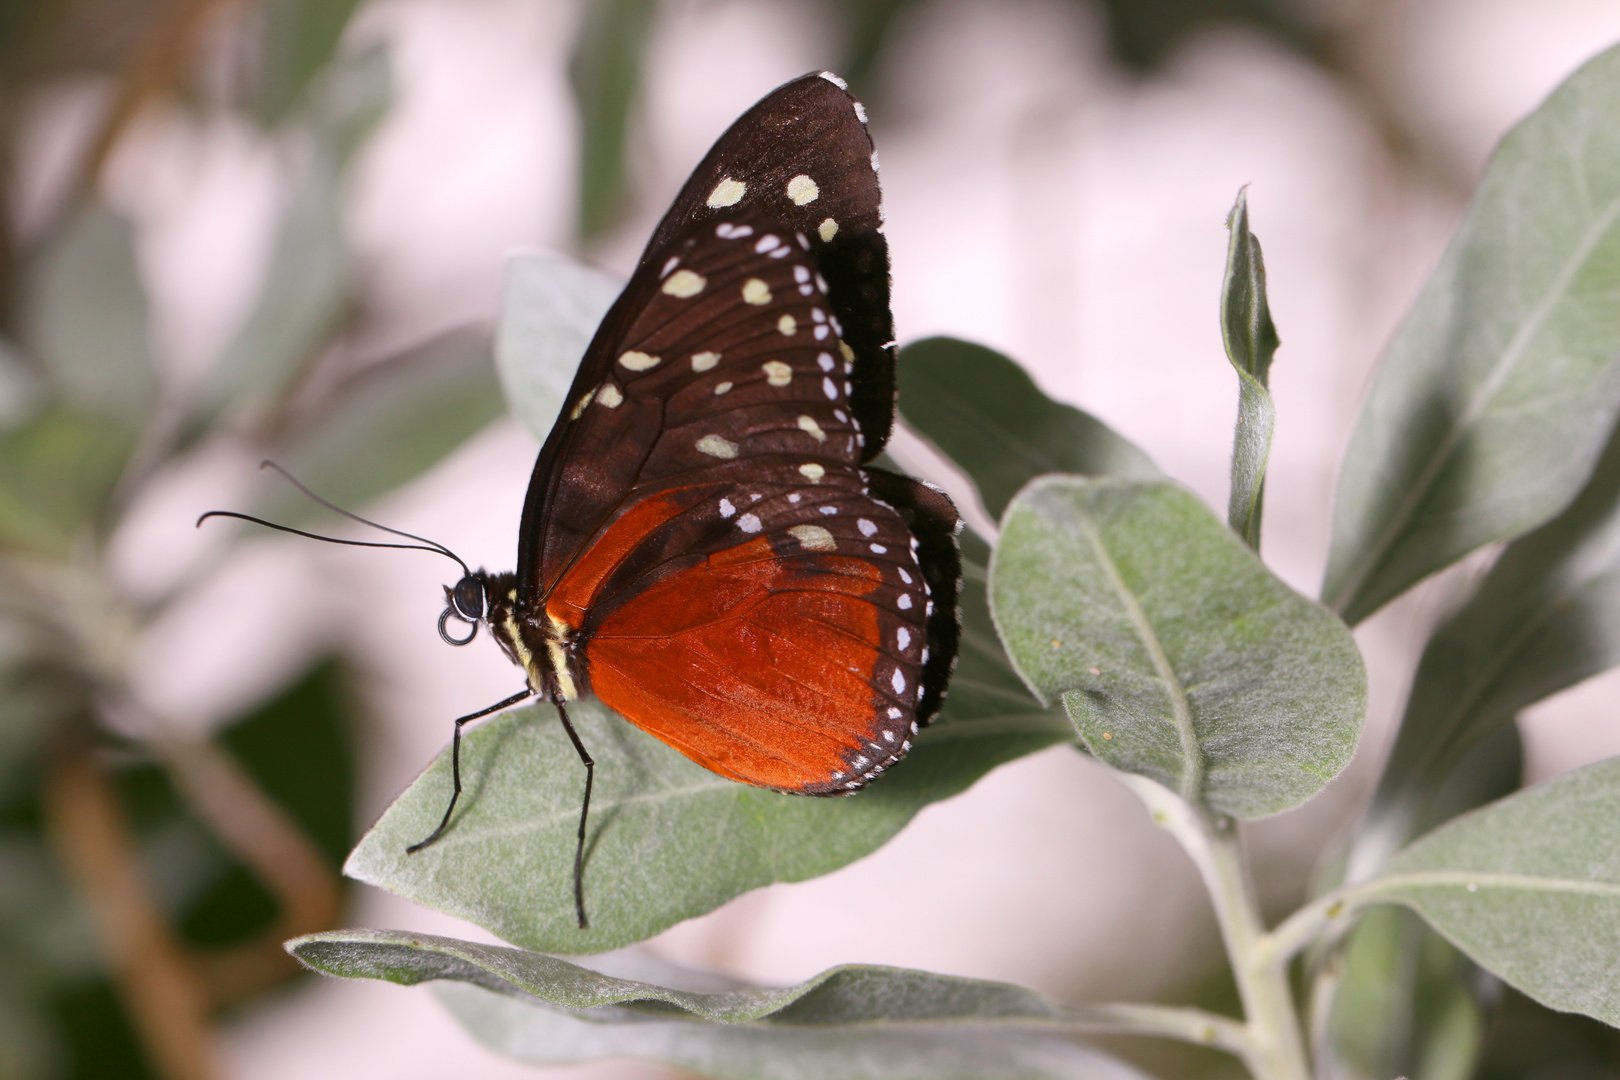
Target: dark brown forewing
x=725 y=350
x=802 y=156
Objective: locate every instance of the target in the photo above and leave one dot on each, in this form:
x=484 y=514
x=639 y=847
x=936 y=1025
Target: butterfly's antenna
x=424 y=543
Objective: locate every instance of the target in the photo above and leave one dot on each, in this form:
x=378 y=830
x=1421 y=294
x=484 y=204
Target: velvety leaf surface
x=1529 y=887
x=847 y=1021
x=1251 y=341
x=1545 y=617
x=984 y=413
x=668 y=839
x=1177 y=654
x=390 y=424
x=549 y=313
x=85 y=317
x=1501 y=386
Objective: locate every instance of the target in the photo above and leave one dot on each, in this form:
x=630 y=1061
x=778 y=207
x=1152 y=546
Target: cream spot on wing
x=808 y=424
x=828 y=230
x=721 y=389
x=684 y=283
x=609 y=396
x=715 y=446
x=788 y=325
x=866 y=526
x=777 y=373
x=801 y=189
x=704 y=361
x=814 y=537
x=812 y=472
x=726 y=193
x=580 y=407
x=638 y=361
x=726 y=509
x=755 y=291
x=748 y=523
x=849 y=353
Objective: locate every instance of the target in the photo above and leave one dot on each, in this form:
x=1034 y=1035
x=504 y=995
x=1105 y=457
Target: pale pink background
x=1039 y=200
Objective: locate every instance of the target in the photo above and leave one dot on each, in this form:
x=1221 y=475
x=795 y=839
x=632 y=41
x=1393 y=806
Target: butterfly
x=705 y=546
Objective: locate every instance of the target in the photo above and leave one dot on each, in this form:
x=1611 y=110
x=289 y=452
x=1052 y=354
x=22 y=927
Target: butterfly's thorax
x=546 y=648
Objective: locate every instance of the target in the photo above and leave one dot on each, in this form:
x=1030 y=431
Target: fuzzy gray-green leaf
x=1251 y=341
x=1545 y=617
x=1177 y=654
x=855 y=1020
x=1529 y=888
x=668 y=839
x=1499 y=390
x=985 y=414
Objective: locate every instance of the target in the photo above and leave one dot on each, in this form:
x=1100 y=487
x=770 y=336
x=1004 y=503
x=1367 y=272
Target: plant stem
x=1276 y=1047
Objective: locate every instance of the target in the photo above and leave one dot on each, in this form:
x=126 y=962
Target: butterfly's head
x=468 y=602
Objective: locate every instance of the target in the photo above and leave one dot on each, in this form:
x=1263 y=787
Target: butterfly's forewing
x=802 y=157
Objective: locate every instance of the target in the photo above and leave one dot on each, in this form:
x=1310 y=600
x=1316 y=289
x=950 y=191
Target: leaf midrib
x=1477 y=404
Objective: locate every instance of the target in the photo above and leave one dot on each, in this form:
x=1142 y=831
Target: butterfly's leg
x=455 y=765
x=584 y=809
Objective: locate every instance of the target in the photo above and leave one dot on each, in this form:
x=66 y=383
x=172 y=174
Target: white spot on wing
x=684 y=283
x=801 y=189
x=768 y=242
x=904 y=637
x=801 y=274
x=866 y=526
x=715 y=446
x=748 y=523
x=835 y=80
x=828 y=388
x=813 y=537
x=726 y=509
x=672 y=263
x=860 y=112
x=878 y=549
x=904 y=602
x=898 y=682
x=905 y=575
x=727 y=231
x=726 y=193
x=829 y=509
x=826 y=362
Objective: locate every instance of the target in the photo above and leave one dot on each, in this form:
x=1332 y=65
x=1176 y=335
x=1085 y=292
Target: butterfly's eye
x=469 y=598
